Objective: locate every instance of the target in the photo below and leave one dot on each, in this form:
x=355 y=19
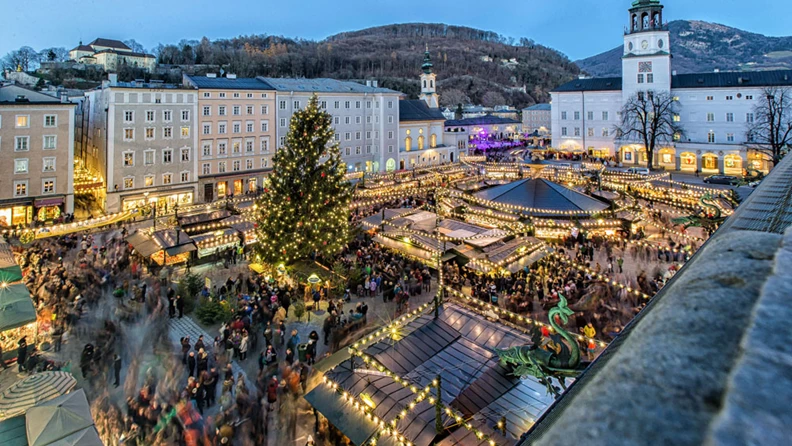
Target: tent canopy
x=63 y=421
x=9 y=269
x=542 y=194
x=16 y=308
x=34 y=390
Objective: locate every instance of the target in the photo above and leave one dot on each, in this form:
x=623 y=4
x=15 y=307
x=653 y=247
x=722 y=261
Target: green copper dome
x=427 y=62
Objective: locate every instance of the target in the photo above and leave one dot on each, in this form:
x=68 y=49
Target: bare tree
x=648 y=117
x=771 y=129
x=134 y=46
x=25 y=58
x=492 y=98
x=452 y=97
x=54 y=54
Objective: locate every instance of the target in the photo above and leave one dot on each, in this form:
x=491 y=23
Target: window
x=283 y=122
x=368 y=104
x=249 y=126
x=264 y=162
x=167 y=115
x=640 y=95
x=249 y=109
x=357 y=104
x=264 y=144
x=296 y=105
x=237 y=165
x=185 y=115
x=129 y=116
x=390 y=119
x=357 y=135
x=590 y=116
x=221 y=167
x=729 y=117
x=336 y=104
x=347 y=136
x=577 y=116
x=564 y=115
x=357 y=120
x=50 y=120
x=236 y=147
x=207 y=148
x=605 y=131
x=368 y=119
x=167 y=156
x=185 y=177
x=221 y=128
x=729 y=98
x=390 y=149
x=346 y=104
x=265 y=126
x=222 y=95
x=357 y=150
x=649 y=78
x=730 y=137
x=236 y=95
x=149 y=133
x=749 y=97
x=390 y=104
x=185 y=154
x=249 y=146
x=148 y=181
x=129 y=182
x=265 y=109
x=368 y=135
x=48 y=164
x=282 y=105
x=207 y=110
x=368 y=149
x=710 y=117
x=590 y=131
x=221 y=148
x=50 y=142
x=129 y=159
x=640 y=78
x=221 y=110
x=323 y=105
x=709 y=98
x=577 y=131
x=347 y=151
x=390 y=135
x=207 y=95
x=148 y=157
x=236 y=110
x=167 y=178
x=248 y=164
x=237 y=127
x=21 y=165
x=207 y=128
x=20 y=188
x=711 y=137
x=149 y=115
x=676 y=117
x=185 y=132
x=167 y=132
x=206 y=169
x=282 y=141
x=563 y=131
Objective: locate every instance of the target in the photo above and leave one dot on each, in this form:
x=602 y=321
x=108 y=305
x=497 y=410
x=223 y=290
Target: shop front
x=709 y=163
x=687 y=162
x=666 y=159
x=17 y=318
x=48 y=209
x=16 y=214
x=733 y=164
x=163 y=200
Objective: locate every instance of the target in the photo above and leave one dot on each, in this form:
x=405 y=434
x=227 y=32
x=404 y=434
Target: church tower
x=646 y=62
x=428 y=82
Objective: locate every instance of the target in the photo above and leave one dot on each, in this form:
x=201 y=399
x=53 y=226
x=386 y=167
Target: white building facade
x=715 y=109
x=365 y=117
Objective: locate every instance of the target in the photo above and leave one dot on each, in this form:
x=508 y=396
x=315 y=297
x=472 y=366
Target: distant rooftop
x=224 y=83
x=322 y=85
x=14 y=94
x=481 y=120
x=540 y=107
x=723 y=79
x=418 y=110
x=112 y=43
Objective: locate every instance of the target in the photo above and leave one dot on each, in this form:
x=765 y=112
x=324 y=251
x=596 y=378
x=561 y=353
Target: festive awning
x=63 y=421
x=34 y=390
x=9 y=269
x=16 y=307
x=142 y=243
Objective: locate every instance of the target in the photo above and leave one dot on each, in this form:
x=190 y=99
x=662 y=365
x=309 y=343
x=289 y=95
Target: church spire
x=427 y=62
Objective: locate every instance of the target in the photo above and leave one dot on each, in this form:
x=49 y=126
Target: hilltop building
x=111 y=55
x=715 y=108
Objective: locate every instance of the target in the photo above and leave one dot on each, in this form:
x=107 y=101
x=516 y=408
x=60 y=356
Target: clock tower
x=428 y=92
x=646 y=62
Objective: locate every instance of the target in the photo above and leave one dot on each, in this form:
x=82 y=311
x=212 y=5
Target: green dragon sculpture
x=703 y=218
x=533 y=360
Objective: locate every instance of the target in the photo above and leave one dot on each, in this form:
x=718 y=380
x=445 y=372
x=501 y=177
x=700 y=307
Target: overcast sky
x=578 y=28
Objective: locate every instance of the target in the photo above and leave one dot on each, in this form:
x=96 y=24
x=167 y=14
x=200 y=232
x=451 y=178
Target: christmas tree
x=305 y=207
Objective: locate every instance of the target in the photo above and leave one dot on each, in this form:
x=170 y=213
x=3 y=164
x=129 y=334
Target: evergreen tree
x=305 y=207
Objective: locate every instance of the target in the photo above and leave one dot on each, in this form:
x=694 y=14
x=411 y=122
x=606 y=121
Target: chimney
x=673 y=73
x=211 y=75
x=113 y=78
x=64 y=97
x=230 y=76
x=374 y=83
x=368 y=83
x=22 y=98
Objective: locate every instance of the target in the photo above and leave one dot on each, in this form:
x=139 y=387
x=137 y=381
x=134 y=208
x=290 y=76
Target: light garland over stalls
x=566 y=260
x=673 y=231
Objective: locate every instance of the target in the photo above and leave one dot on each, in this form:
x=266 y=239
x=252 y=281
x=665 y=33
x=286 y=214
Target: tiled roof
x=724 y=79
x=110 y=43
x=125 y=53
x=223 y=83
x=541 y=107
x=481 y=120
x=320 y=85
x=593 y=84
x=418 y=110
x=83 y=48
x=9 y=93
x=541 y=194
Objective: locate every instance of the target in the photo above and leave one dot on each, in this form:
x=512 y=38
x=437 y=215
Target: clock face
x=660 y=43
x=644 y=44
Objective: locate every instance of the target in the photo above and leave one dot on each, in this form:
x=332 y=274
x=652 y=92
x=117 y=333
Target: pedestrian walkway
x=185 y=326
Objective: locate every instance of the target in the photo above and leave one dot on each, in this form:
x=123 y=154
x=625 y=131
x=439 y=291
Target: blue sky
x=578 y=28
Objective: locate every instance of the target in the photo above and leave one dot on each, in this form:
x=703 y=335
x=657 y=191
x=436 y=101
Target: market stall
x=17 y=318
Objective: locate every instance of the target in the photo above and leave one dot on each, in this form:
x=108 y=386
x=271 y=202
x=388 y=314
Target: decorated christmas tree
x=305 y=207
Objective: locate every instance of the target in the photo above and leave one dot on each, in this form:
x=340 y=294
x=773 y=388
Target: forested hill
x=699 y=47
x=471 y=65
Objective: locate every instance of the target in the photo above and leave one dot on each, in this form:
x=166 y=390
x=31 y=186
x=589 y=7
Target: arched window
x=407 y=143
x=635 y=22
x=431 y=83
x=656 y=20
x=424 y=82
x=433 y=141
x=420 y=142
x=645 y=21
